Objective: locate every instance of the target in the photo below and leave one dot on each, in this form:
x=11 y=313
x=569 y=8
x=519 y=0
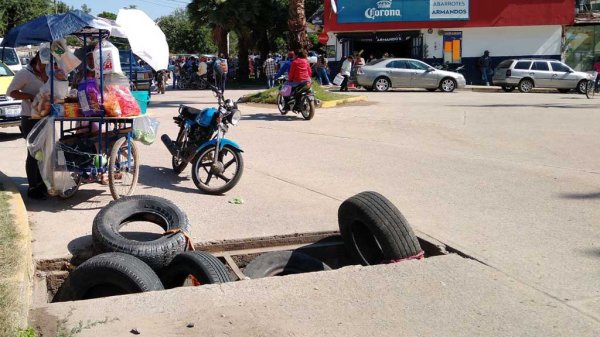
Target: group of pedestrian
x=194 y=66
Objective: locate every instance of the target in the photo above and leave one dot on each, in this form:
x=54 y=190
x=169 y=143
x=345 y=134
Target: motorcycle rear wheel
x=203 y=173
x=281 y=105
x=178 y=163
x=308 y=109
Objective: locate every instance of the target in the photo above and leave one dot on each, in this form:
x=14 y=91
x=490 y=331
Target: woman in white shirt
x=345 y=71
x=25 y=86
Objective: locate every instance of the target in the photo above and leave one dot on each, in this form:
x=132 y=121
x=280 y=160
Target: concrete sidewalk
x=441 y=296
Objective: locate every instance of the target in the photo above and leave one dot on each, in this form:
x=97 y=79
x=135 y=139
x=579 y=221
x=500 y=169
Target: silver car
x=526 y=74
x=384 y=74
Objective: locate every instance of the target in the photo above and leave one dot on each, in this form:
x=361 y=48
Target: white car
x=9 y=57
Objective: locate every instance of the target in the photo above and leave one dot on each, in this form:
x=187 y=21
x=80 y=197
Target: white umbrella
x=145 y=37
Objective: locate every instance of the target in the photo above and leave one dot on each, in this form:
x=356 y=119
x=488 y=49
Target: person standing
x=322 y=70
x=221 y=69
x=176 y=73
x=485 y=66
x=345 y=71
x=270 y=71
x=25 y=86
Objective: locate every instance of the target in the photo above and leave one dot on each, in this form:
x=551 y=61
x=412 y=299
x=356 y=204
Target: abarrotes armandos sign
x=358 y=11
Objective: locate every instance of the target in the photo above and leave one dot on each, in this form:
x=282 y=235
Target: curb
x=477 y=88
x=23 y=277
x=333 y=104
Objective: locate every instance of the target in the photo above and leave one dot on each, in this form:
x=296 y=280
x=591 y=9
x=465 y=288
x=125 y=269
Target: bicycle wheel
x=590 y=89
x=123 y=169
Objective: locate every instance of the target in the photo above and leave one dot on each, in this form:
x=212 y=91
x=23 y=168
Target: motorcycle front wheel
x=308 y=109
x=217 y=176
x=281 y=104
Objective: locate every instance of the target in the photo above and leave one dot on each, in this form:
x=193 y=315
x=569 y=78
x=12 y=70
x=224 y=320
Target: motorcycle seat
x=188 y=110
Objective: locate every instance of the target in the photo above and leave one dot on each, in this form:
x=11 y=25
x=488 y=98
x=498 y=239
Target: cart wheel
x=123 y=169
x=71 y=192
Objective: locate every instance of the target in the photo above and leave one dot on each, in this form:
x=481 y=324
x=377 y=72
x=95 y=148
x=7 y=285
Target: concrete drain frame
x=235 y=254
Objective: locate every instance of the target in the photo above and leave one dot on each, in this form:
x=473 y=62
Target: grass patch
x=270 y=96
x=8 y=264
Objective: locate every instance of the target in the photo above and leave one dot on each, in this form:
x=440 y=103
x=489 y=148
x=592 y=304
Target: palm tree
x=298 y=38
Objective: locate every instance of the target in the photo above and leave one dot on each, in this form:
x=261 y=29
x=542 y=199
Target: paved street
x=510 y=179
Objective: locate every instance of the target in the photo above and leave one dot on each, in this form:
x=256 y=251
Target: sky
x=154 y=8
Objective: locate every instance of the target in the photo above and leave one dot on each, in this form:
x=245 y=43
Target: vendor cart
x=86 y=148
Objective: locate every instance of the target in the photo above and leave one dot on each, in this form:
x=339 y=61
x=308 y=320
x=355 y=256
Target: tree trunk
x=220 y=36
x=243 y=70
x=297 y=26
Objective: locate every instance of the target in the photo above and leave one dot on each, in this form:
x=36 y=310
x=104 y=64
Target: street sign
x=323 y=38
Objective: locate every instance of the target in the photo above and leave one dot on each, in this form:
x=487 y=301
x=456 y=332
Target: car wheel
x=382 y=84
x=582 y=87
x=447 y=85
x=508 y=88
x=526 y=85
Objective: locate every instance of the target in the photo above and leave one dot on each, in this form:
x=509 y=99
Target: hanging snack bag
x=111 y=62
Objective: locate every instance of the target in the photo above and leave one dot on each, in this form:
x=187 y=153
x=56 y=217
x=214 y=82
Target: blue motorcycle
x=217 y=163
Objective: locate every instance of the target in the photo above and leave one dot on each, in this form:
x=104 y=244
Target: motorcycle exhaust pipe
x=171 y=146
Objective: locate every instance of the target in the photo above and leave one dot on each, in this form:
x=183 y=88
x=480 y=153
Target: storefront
x=448 y=31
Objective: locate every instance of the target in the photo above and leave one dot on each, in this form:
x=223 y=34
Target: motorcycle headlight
x=235 y=117
x=229 y=104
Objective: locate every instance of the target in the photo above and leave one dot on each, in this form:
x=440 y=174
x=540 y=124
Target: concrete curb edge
x=23 y=277
x=334 y=103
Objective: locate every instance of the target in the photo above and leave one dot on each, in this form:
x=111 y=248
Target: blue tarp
x=47 y=28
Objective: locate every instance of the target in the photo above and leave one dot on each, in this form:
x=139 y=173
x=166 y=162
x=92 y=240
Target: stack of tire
x=127 y=266
x=373 y=230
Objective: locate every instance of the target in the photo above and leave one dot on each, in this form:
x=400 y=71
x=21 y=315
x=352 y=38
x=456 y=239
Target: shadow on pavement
x=161 y=177
x=580 y=196
x=9 y=137
x=290 y=117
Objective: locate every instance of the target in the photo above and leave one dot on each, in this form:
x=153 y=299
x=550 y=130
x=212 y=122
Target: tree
x=86 y=9
x=61 y=7
x=297 y=25
x=183 y=36
x=108 y=15
x=14 y=13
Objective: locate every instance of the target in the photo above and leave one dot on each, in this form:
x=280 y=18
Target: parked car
x=10 y=109
x=526 y=74
x=9 y=57
x=142 y=77
x=384 y=74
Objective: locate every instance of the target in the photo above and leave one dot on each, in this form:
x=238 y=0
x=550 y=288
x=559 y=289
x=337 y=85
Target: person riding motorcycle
x=300 y=74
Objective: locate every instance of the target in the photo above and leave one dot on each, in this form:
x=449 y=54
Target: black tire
x=431 y=89
x=281 y=105
x=178 y=164
x=563 y=91
x=382 y=84
x=374 y=230
x=308 y=109
x=206 y=268
x=283 y=263
x=156 y=253
x=590 y=89
x=508 y=88
x=582 y=87
x=123 y=174
x=203 y=162
x=109 y=274
x=447 y=85
x=526 y=85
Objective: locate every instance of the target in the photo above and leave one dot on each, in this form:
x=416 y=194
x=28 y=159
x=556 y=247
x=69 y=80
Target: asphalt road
x=511 y=179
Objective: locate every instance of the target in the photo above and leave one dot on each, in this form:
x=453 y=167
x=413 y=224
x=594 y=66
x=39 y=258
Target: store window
x=582 y=46
x=452 y=47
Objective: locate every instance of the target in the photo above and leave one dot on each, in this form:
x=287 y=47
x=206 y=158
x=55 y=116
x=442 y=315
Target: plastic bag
x=111 y=104
x=111 y=62
x=89 y=98
x=286 y=90
x=65 y=59
x=127 y=103
x=145 y=130
x=40 y=144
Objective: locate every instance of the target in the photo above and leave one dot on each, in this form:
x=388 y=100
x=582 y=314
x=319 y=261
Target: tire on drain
x=283 y=263
x=204 y=267
x=156 y=253
x=108 y=274
x=374 y=231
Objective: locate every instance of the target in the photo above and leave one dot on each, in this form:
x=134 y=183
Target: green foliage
x=61 y=7
x=184 y=36
x=86 y=9
x=270 y=96
x=29 y=332
x=108 y=15
x=16 y=12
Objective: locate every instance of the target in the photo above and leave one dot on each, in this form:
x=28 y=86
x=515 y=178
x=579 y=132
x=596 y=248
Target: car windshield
x=9 y=56
x=505 y=64
x=4 y=71
x=374 y=62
